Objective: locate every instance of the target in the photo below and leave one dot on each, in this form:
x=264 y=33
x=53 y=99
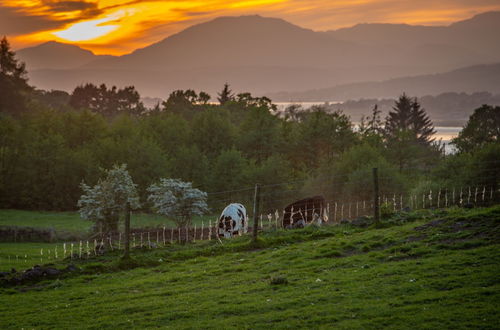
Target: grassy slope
x=442 y=274
x=71 y=221
x=25 y=255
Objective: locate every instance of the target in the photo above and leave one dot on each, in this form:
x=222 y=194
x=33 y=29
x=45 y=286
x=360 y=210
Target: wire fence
x=335 y=211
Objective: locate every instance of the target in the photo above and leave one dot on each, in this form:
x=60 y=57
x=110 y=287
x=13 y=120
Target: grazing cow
x=233 y=220
x=303 y=212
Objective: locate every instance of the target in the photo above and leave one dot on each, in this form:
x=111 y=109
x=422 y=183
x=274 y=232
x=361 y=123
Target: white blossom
x=104 y=201
x=177 y=199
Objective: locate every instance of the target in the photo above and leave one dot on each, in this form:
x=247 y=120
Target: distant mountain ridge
x=56 y=55
x=472 y=79
x=262 y=55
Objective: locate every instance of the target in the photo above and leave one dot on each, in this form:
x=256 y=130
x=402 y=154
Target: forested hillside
x=53 y=141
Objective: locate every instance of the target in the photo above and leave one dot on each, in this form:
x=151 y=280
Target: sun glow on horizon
x=89 y=30
x=118 y=27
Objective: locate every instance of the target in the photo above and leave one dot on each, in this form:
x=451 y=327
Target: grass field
x=71 y=221
x=430 y=269
x=24 y=255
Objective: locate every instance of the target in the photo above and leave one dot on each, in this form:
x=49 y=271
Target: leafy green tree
x=271 y=171
x=124 y=143
x=228 y=171
x=246 y=100
x=350 y=177
x=104 y=202
x=485 y=169
x=259 y=134
x=483 y=127
x=203 y=98
x=170 y=131
x=82 y=128
x=323 y=136
x=212 y=132
x=178 y=200
x=54 y=99
x=189 y=164
x=371 y=128
x=185 y=103
x=13 y=80
x=11 y=142
x=294 y=112
x=108 y=102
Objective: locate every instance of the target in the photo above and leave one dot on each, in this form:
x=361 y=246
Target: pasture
x=425 y=269
x=71 y=221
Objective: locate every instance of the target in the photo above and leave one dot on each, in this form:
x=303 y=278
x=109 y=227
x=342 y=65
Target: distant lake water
x=445 y=133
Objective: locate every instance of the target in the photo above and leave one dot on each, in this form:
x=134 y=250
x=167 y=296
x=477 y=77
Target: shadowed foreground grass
x=423 y=270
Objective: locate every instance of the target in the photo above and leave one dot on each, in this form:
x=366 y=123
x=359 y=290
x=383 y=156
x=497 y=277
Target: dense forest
x=52 y=141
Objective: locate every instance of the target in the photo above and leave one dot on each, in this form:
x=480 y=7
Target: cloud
x=149 y=21
x=65 y=6
x=15 y=22
x=17 y=18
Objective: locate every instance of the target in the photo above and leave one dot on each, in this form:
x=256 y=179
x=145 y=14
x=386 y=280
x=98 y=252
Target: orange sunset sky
x=120 y=26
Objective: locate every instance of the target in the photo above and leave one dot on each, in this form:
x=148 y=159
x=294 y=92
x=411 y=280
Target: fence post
x=127 y=230
x=256 y=212
x=376 y=210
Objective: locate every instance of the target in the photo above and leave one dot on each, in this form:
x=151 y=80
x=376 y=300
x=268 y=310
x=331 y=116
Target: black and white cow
x=233 y=220
x=303 y=212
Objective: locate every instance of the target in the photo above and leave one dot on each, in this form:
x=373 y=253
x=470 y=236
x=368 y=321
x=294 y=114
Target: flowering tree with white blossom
x=178 y=200
x=104 y=202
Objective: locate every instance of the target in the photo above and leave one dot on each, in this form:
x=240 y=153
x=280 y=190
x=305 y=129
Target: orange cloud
x=120 y=26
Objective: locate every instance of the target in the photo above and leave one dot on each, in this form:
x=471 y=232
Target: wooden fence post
x=256 y=212
x=376 y=208
x=127 y=230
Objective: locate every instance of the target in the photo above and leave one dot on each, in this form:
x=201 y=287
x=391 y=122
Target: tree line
x=52 y=141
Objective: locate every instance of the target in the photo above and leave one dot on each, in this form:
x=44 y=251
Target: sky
x=118 y=27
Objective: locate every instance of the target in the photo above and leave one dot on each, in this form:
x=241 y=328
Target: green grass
x=71 y=221
x=427 y=270
x=25 y=255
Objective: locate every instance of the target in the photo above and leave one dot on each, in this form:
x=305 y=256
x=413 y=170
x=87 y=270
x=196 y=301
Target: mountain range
x=269 y=55
x=472 y=79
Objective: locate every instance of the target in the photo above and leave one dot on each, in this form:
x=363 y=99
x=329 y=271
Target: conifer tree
x=409 y=116
x=9 y=65
x=408 y=132
x=13 y=80
x=225 y=95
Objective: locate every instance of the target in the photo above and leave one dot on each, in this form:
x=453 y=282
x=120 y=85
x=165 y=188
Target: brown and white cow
x=303 y=212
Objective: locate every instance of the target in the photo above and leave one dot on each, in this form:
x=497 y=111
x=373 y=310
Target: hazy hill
x=56 y=55
x=446 y=109
x=260 y=55
x=244 y=41
x=469 y=80
x=480 y=31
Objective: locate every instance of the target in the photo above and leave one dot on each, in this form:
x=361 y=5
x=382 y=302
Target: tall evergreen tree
x=408 y=132
x=408 y=116
x=225 y=95
x=421 y=124
x=9 y=65
x=13 y=80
